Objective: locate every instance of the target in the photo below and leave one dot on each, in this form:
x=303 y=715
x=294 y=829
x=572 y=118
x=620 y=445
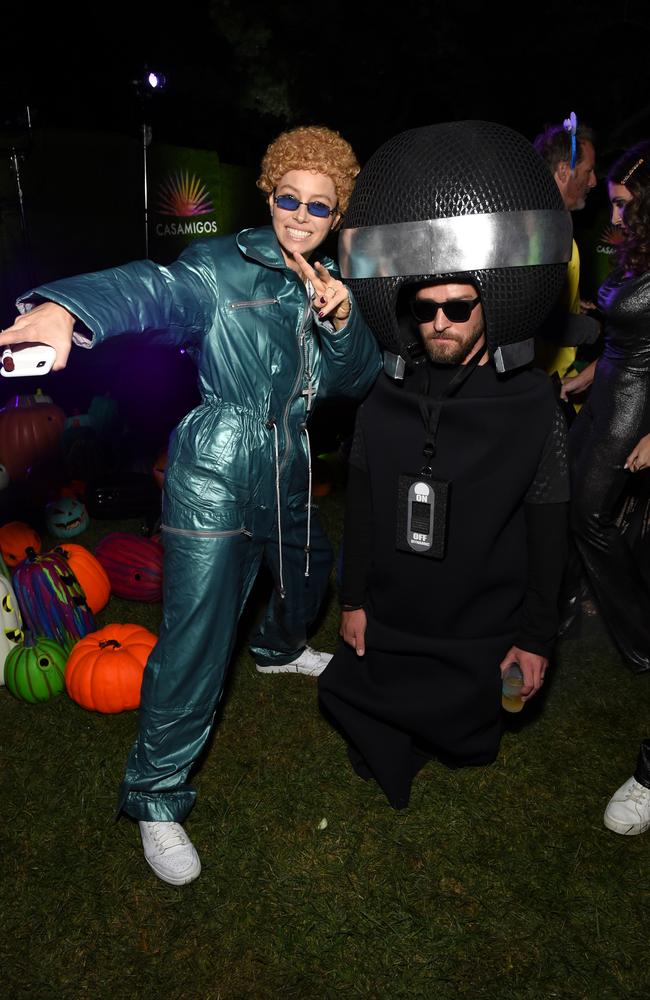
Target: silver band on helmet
x=463 y=243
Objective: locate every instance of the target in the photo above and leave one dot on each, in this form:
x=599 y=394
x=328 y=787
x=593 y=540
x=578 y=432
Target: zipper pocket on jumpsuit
x=198 y=533
x=252 y=303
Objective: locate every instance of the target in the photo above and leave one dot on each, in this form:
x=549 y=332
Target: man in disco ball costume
x=455 y=245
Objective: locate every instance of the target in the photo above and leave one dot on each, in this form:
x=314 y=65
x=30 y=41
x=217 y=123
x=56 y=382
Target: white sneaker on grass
x=310 y=662
x=628 y=810
x=170 y=852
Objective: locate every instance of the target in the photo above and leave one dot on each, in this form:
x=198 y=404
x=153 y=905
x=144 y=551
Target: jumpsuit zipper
x=288 y=448
x=294 y=390
x=206 y=533
x=252 y=303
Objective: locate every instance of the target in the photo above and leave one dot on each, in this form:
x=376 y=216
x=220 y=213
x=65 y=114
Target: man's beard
x=443 y=353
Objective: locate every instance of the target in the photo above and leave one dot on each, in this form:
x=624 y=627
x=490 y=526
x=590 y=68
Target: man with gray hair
x=569 y=324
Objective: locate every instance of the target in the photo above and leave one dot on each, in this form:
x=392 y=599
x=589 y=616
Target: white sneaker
x=628 y=810
x=310 y=662
x=170 y=852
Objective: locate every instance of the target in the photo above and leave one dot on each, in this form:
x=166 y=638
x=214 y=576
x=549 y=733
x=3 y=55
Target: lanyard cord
x=431 y=407
x=309 y=486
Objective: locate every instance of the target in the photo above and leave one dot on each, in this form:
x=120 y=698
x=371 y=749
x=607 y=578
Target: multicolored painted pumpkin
x=90 y=573
x=134 y=565
x=16 y=537
x=50 y=597
x=31 y=428
x=11 y=625
x=66 y=517
x=34 y=670
x=104 y=670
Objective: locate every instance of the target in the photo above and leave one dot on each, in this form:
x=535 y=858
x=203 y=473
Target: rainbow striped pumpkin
x=34 y=670
x=50 y=597
x=134 y=565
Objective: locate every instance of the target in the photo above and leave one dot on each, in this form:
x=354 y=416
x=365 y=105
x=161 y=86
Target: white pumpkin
x=11 y=623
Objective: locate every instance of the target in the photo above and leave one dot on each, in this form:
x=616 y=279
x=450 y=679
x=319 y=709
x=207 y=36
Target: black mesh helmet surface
x=446 y=171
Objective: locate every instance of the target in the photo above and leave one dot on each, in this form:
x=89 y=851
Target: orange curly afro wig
x=311 y=147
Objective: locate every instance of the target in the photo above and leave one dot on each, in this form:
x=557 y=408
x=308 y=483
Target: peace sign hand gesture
x=331 y=297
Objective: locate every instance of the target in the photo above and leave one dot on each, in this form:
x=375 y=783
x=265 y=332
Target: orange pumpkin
x=31 y=428
x=90 y=573
x=104 y=670
x=15 y=538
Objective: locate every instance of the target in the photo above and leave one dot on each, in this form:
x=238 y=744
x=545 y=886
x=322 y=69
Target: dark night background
x=240 y=72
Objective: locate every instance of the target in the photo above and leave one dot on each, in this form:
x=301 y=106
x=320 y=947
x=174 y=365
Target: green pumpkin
x=34 y=670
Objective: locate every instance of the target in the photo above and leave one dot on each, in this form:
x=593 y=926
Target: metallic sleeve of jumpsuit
x=608 y=426
x=245 y=319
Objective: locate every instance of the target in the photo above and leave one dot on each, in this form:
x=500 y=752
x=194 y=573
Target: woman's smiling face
x=296 y=229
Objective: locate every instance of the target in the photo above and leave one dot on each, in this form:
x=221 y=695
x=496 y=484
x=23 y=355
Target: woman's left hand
x=331 y=297
x=639 y=457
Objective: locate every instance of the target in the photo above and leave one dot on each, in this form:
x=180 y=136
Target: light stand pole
x=146 y=142
x=15 y=159
x=146 y=86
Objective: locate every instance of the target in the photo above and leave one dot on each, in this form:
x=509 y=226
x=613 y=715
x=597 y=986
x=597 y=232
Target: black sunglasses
x=290 y=203
x=456 y=310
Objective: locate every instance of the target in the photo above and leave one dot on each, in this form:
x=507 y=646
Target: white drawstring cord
x=308 y=545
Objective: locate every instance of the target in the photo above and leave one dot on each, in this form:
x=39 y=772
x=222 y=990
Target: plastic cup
x=512 y=683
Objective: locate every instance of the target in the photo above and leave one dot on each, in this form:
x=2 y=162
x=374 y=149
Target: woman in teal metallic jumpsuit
x=269 y=334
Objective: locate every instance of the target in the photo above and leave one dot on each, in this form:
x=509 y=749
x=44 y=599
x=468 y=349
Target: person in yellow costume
x=568 y=326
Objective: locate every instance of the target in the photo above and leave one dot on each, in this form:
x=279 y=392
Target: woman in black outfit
x=611 y=441
x=605 y=438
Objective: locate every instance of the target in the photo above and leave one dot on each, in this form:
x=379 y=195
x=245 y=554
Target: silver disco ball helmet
x=469 y=202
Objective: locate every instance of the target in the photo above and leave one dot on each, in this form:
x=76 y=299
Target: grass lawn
x=498 y=883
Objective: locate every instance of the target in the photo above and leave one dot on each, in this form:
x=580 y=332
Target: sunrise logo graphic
x=182 y=195
x=612 y=235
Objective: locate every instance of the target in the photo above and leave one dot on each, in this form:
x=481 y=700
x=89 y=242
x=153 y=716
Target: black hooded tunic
x=429 y=683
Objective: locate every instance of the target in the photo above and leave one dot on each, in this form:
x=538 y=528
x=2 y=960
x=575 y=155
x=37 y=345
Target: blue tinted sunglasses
x=290 y=203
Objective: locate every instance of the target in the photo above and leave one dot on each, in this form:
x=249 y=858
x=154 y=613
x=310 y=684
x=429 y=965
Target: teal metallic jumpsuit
x=236 y=490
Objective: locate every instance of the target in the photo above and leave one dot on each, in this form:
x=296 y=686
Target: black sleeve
x=357 y=530
x=551 y=482
x=547 y=542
